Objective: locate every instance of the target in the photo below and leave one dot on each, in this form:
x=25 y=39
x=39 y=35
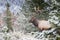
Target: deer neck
x=35 y=22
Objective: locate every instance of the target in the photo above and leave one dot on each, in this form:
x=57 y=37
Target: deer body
x=44 y=25
x=41 y=24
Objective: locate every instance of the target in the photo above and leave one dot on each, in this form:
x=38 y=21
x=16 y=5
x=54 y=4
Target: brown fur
x=34 y=21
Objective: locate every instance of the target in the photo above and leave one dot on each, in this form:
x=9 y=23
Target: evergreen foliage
x=9 y=18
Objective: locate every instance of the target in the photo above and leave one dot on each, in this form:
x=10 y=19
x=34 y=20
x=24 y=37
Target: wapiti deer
x=41 y=24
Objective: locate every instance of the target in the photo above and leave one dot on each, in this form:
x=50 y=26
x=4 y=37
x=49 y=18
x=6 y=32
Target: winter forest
x=29 y=19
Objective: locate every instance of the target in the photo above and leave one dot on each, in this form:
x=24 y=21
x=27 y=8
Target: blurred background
x=15 y=16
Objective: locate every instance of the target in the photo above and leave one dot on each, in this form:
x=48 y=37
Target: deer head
x=34 y=20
